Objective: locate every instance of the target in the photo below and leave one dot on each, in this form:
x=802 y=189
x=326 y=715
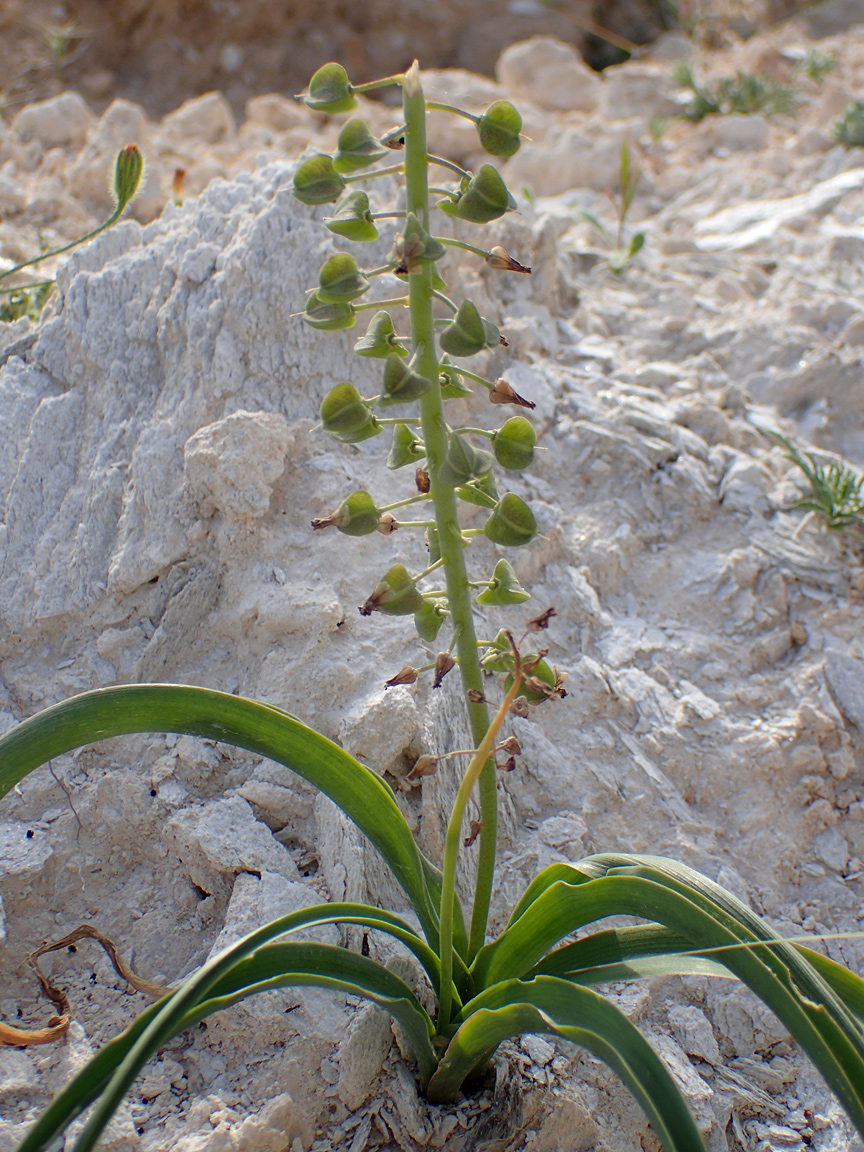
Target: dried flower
x=500 y=259
x=421 y=479
x=510 y=745
x=475 y=696
x=503 y=393
x=510 y=763
x=443 y=663
x=538 y=623
x=474 y=831
x=425 y=766
x=519 y=707
x=387 y=524
x=406 y=675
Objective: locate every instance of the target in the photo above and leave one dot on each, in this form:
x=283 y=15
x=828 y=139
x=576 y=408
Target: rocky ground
x=158 y=470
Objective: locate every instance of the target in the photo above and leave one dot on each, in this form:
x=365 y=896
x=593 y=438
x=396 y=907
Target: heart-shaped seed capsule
x=328 y=315
x=504 y=588
x=353 y=218
x=483 y=198
x=499 y=129
x=340 y=279
x=356 y=148
x=380 y=339
x=395 y=595
x=356 y=516
x=468 y=333
x=330 y=90
x=513 y=444
x=512 y=524
x=346 y=416
x=316 y=181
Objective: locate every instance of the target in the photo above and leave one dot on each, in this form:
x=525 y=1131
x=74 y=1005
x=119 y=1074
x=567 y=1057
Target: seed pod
x=444 y=663
x=503 y=393
x=504 y=587
x=474 y=830
x=127 y=175
x=512 y=523
x=346 y=416
x=499 y=655
x=482 y=491
x=414 y=247
x=406 y=448
x=463 y=462
x=499 y=129
x=401 y=385
x=513 y=444
x=380 y=339
x=468 y=333
x=316 y=181
x=500 y=259
x=355 y=516
x=511 y=746
x=340 y=280
x=353 y=218
x=395 y=595
x=482 y=198
x=406 y=675
x=544 y=683
x=429 y=619
x=451 y=383
x=424 y=766
x=330 y=90
x=356 y=148
x=388 y=524
x=326 y=315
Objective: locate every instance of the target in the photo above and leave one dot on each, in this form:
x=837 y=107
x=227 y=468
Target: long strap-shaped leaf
x=710 y=918
x=581 y=1015
x=260 y=728
x=95 y=1075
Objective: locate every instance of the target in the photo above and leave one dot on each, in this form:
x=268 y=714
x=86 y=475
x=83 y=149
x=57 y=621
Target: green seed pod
x=406 y=448
x=504 y=588
x=452 y=384
x=395 y=595
x=482 y=491
x=463 y=462
x=327 y=315
x=340 y=279
x=380 y=339
x=316 y=181
x=513 y=444
x=499 y=129
x=415 y=247
x=346 y=415
x=512 y=523
x=353 y=218
x=482 y=198
x=127 y=175
x=401 y=385
x=330 y=90
x=357 y=148
x=499 y=656
x=429 y=619
x=468 y=333
x=355 y=516
x=543 y=674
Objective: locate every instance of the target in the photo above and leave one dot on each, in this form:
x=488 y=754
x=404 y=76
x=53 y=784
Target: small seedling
x=835 y=489
x=59 y=37
x=29 y=299
x=849 y=129
x=621 y=252
x=741 y=94
x=818 y=64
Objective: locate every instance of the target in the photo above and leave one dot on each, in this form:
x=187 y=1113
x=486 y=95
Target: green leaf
x=463 y=462
x=401 y=384
x=407 y=447
x=481 y=491
x=468 y=333
x=353 y=218
x=316 y=181
x=326 y=315
x=504 y=587
x=357 y=148
x=340 y=279
x=499 y=129
x=482 y=198
x=452 y=385
x=346 y=416
x=380 y=339
x=260 y=728
x=512 y=523
x=330 y=90
x=584 y=1017
x=513 y=444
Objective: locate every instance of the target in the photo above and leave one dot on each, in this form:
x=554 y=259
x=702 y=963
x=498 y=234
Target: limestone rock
x=551 y=74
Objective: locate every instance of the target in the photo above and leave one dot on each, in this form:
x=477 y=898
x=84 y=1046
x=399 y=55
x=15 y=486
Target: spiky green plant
x=835 y=488
x=534 y=976
x=742 y=94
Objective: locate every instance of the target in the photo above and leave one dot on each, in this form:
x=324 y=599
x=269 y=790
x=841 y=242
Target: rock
x=691 y=1029
x=17 y=1072
x=256 y=900
x=636 y=89
x=832 y=848
x=207 y=118
x=382 y=730
x=845 y=677
x=549 y=73
x=62 y=122
x=570 y=158
x=361 y=1055
x=231 y=466
x=278 y=113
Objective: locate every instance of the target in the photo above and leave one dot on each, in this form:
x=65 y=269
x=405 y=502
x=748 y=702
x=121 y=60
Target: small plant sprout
x=835 y=495
x=543 y=971
x=849 y=129
x=741 y=94
x=126 y=180
x=621 y=251
x=818 y=64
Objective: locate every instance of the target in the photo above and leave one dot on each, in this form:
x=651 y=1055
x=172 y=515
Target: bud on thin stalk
x=406 y=675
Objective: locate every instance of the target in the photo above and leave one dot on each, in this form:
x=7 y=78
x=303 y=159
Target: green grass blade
x=249 y=724
x=582 y=1016
x=845 y=984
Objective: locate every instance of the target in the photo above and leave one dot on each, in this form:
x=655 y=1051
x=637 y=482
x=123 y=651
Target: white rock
x=17 y=1072
x=61 y=122
x=206 y=118
x=22 y=854
x=570 y=158
x=256 y=900
x=550 y=73
x=231 y=466
x=278 y=113
x=693 y=1032
x=361 y=1055
x=637 y=88
x=381 y=728
x=832 y=847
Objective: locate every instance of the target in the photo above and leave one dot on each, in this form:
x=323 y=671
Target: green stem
x=446 y=240
x=471 y=375
x=426 y=571
x=112 y=219
x=379 y=271
x=397 y=300
x=26 y=287
x=371 y=85
x=374 y=174
x=388 y=215
x=403 y=503
x=474 y=432
x=445 y=300
x=439 y=107
x=447 y=519
x=442 y=163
